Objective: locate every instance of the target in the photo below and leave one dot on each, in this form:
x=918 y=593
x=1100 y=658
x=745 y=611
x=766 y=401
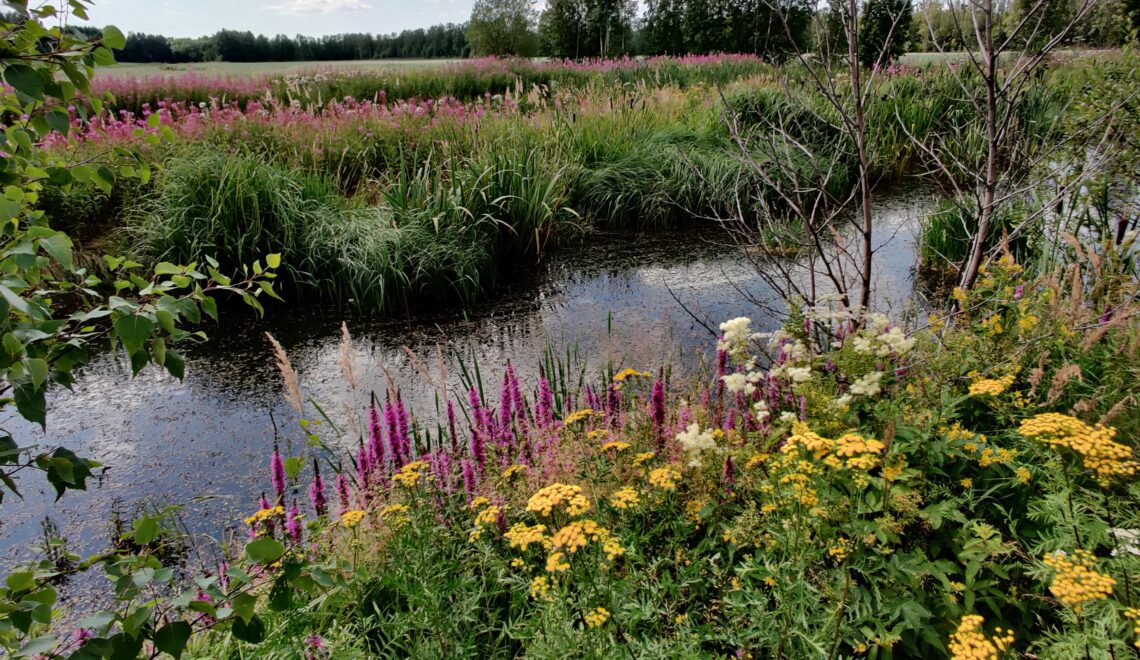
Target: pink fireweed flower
x=477 y=440
x=544 y=409
x=375 y=436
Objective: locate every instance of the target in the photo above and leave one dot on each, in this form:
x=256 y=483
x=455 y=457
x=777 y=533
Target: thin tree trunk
x=861 y=147
x=989 y=186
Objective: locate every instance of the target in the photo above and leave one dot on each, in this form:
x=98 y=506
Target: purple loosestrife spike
x=544 y=413
x=506 y=406
x=375 y=437
x=657 y=412
x=613 y=402
x=1018 y=291
x=470 y=482
x=451 y=434
x=392 y=426
x=293 y=523
x=277 y=473
x=317 y=492
x=803 y=409
x=516 y=394
x=728 y=474
x=363 y=469
x=342 y=494
x=402 y=428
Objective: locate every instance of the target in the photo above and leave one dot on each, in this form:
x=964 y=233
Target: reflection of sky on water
x=168 y=441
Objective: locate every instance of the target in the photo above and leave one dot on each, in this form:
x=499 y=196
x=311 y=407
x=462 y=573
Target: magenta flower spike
x=470 y=481
x=277 y=473
x=657 y=412
x=342 y=492
x=375 y=437
x=317 y=492
x=293 y=523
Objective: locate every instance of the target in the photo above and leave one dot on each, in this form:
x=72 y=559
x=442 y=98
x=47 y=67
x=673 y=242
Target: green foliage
x=54 y=309
x=502 y=28
x=883 y=29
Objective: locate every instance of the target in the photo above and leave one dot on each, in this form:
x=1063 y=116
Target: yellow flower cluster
x=840 y=550
x=521 y=535
x=577 y=416
x=631 y=373
x=556 y=563
x=1076 y=582
x=643 y=457
x=990 y=386
x=597 y=617
x=511 y=471
x=1133 y=615
x=541 y=586
x=555 y=495
x=1099 y=452
x=664 y=478
x=478 y=502
x=1027 y=323
x=597 y=433
x=861 y=453
x=1023 y=475
x=488 y=516
x=969 y=642
x=265 y=514
x=410 y=474
x=616 y=445
x=578 y=534
x=395 y=515
x=626 y=498
x=352 y=518
x=1000 y=457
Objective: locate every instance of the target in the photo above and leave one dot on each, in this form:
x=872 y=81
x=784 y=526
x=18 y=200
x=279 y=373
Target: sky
x=195 y=18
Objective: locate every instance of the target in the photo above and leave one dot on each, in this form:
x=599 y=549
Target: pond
x=636 y=299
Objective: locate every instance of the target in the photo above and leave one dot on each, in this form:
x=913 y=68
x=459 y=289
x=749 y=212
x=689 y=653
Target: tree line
x=578 y=29
x=447 y=40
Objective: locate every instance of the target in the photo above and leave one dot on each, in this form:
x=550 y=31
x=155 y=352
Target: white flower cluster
x=868 y=385
x=876 y=339
x=735 y=335
x=739 y=383
x=693 y=440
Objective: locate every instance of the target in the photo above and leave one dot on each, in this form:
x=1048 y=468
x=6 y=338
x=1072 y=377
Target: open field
x=126 y=69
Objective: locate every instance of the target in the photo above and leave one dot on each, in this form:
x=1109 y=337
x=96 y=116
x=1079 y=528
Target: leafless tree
x=808 y=225
x=995 y=72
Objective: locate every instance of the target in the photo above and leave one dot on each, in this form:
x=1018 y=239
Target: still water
x=633 y=299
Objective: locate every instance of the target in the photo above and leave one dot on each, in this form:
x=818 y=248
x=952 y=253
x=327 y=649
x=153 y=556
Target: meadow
x=136 y=70
x=957 y=482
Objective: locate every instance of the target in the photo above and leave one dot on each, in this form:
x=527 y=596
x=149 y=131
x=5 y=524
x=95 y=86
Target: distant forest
x=578 y=29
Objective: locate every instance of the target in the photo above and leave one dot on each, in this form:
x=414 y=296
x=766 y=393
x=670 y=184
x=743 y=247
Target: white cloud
x=295 y=7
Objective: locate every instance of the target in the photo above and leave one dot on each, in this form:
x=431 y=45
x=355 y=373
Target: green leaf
x=172 y=638
x=113 y=38
x=243 y=605
x=30 y=403
x=22 y=581
x=252 y=631
x=265 y=550
x=175 y=364
x=38 y=370
x=24 y=79
x=146 y=530
x=273 y=260
x=37 y=646
x=133 y=330
x=293 y=467
x=135 y=620
x=59 y=247
x=210 y=307
x=58 y=121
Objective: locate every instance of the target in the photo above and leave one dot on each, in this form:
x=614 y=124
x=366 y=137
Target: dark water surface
x=612 y=298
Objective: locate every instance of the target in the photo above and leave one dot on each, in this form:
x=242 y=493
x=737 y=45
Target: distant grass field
x=262 y=68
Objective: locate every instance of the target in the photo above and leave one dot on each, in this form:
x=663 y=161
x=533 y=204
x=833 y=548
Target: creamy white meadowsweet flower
x=694 y=441
x=760 y=409
x=877 y=323
x=862 y=344
x=843 y=401
x=736 y=383
x=896 y=341
x=795 y=350
x=799 y=374
x=787 y=416
x=734 y=335
x=867 y=385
